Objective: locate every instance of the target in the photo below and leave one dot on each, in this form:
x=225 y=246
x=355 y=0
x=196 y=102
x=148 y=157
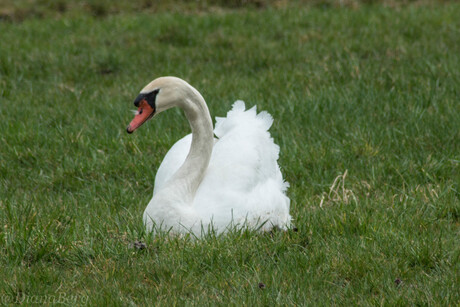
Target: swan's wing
x=246 y=149
x=243 y=179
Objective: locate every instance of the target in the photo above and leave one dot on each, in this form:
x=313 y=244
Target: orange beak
x=144 y=113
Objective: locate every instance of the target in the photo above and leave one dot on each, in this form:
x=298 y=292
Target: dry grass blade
x=338 y=193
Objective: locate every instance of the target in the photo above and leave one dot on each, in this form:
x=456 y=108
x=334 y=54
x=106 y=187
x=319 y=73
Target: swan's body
x=205 y=183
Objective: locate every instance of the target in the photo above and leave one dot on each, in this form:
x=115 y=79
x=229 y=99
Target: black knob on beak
x=138 y=100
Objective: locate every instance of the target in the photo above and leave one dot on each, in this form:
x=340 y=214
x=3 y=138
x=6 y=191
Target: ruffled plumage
x=242 y=185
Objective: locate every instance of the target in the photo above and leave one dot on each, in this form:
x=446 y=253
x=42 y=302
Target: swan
x=206 y=183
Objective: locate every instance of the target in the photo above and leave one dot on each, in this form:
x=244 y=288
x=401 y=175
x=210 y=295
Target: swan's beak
x=143 y=114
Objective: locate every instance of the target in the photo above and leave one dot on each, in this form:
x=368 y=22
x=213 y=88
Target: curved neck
x=185 y=182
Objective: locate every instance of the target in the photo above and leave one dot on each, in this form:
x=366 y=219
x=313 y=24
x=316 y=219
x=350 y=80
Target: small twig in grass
x=138 y=245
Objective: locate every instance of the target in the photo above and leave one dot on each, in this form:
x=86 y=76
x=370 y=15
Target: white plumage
x=239 y=185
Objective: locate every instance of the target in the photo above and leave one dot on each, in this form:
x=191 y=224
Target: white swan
x=205 y=183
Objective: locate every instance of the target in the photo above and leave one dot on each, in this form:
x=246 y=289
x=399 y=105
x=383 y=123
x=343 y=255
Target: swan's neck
x=185 y=182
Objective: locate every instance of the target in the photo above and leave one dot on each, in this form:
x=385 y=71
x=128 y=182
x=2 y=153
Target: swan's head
x=160 y=94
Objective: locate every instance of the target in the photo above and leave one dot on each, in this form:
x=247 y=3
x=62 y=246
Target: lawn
x=367 y=115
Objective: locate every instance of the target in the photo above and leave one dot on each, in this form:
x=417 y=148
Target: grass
x=366 y=113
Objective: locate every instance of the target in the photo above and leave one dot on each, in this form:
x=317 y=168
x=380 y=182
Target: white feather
x=243 y=183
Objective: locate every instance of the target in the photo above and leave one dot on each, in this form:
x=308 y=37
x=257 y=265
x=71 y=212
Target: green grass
x=367 y=114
